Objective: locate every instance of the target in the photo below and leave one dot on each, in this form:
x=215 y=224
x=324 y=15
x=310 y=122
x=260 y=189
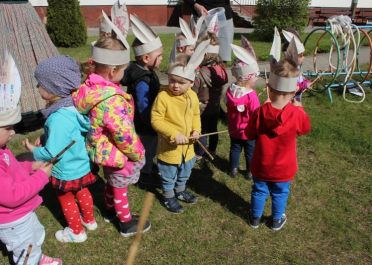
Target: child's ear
x=145 y=58
x=180 y=49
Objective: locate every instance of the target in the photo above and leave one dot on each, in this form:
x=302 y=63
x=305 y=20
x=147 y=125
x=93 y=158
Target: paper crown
x=289 y=36
x=246 y=60
x=195 y=60
x=10 y=91
x=150 y=41
x=191 y=32
x=279 y=83
x=108 y=56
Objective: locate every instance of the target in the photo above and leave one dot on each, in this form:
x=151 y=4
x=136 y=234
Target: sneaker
x=254 y=222
x=91 y=226
x=45 y=260
x=109 y=216
x=234 y=172
x=67 y=236
x=278 y=224
x=186 y=196
x=130 y=228
x=248 y=175
x=172 y=205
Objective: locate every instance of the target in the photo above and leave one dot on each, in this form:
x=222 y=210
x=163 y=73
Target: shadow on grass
x=203 y=183
x=5 y=253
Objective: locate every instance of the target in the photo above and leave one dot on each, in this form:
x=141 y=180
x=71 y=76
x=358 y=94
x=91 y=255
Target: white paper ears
x=108 y=56
x=188 y=71
x=145 y=35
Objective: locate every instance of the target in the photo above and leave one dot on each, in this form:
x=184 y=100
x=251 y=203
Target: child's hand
x=26 y=143
x=47 y=168
x=181 y=139
x=37 y=164
x=195 y=135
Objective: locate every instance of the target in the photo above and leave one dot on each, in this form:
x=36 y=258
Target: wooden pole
x=149 y=199
x=205 y=149
x=29 y=249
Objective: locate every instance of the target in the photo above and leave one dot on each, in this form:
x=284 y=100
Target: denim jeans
x=18 y=235
x=236 y=146
x=278 y=191
x=174 y=177
x=209 y=124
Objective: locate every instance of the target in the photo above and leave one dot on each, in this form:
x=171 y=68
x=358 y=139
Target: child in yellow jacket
x=175 y=117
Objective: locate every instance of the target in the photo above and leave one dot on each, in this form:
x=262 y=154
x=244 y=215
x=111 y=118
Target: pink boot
x=45 y=260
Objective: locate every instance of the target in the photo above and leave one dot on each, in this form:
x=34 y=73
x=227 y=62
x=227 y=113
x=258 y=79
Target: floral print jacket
x=112 y=139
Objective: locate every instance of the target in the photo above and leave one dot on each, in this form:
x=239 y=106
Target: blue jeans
x=209 y=124
x=174 y=177
x=236 y=146
x=278 y=191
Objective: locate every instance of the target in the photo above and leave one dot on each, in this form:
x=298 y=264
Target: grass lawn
x=329 y=209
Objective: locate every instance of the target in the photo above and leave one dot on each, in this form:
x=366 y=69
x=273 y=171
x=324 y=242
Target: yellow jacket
x=170 y=116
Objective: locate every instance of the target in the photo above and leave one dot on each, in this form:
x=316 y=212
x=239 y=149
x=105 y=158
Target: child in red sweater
x=275 y=126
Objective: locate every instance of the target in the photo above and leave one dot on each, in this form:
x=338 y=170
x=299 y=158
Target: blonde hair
x=284 y=68
x=105 y=42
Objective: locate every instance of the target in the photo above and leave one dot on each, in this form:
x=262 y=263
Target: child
x=275 y=126
x=187 y=38
x=20 y=181
x=143 y=84
x=208 y=85
x=175 y=117
x=242 y=101
x=112 y=141
x=57 y=77
x=302 y=83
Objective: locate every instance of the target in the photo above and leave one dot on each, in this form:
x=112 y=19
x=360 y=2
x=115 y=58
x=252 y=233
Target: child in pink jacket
x=242 y=101
x=20 y=182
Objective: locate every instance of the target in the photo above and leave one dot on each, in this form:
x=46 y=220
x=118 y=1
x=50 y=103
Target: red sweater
x=275 y=130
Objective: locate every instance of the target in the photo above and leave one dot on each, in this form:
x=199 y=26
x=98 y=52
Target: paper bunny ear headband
x=150 y=41
x=279 y=83
x=289 y=36
x=246 y=63
x=119 y=16
x=10 y=91
x=108 y=56
x=214 y=28
x=191 y=33
x=195 y=60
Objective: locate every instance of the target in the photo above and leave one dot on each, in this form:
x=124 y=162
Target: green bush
x=65 y=23
x=280 y=13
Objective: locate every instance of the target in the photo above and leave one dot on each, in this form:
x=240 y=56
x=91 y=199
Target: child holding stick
x=175 y=116
x=57 y=78
x=20 y=181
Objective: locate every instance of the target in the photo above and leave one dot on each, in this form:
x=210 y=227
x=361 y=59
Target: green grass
x=329 y=209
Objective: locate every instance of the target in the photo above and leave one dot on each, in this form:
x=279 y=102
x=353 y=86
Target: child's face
x=178 y=85
x=154 y=58
x=6 y=133
x=45 y=94
x=188 y=50
x=301 y=58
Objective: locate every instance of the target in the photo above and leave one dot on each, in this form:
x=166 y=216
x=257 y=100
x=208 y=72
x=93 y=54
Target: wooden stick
x=149 y=199
x=54 y=159
x=205 y=149
x=212 y=133
x=29 y=249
